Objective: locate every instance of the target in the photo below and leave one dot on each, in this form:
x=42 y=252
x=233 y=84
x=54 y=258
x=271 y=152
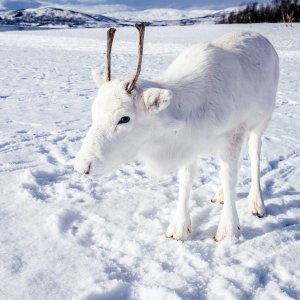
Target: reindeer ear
x=156 y=99
x=97 y=77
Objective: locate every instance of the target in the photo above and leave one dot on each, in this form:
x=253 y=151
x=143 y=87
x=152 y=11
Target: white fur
x=212 y=98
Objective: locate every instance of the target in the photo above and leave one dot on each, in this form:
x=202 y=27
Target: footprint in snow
x=74 y=225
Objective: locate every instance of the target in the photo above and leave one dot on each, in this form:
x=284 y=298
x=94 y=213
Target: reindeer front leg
x=181 y=225
x=229 y=160
x=229 y=223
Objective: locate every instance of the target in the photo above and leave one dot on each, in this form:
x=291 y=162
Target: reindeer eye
x=123 y=120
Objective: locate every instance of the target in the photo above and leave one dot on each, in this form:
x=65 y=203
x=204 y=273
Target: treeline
x=286 y=11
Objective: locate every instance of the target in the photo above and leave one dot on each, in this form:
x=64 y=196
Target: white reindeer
x=215 y=97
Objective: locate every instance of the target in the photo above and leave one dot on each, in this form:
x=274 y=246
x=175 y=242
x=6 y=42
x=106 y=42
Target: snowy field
x=66 y=236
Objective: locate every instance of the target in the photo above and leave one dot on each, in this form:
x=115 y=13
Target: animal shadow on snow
x=120 y=292
x=272 y=209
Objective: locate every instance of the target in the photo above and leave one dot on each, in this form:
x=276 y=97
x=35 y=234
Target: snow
x=160 y=14
x=66 y=236
x=95 y=6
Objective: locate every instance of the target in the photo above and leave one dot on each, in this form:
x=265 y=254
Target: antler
x=131 y=85
x=110 y=38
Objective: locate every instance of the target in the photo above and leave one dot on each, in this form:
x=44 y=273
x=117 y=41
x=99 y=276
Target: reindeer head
x=121 y=115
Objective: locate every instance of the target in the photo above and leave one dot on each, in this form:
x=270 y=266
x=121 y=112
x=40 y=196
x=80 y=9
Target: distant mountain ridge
x=50 y=17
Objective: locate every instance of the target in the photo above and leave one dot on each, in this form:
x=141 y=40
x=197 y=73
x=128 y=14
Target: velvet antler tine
x=141 y=28
x=110 y=38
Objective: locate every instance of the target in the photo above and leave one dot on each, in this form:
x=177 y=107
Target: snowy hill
x=49 y=16
x=170 y=15
x=57 y=17
x=67 y=236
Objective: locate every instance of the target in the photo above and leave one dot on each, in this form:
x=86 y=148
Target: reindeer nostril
x=87 y=172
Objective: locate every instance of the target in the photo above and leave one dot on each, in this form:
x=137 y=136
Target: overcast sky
x=121 y=4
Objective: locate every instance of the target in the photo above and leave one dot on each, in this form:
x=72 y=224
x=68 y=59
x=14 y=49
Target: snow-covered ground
x=66 y=236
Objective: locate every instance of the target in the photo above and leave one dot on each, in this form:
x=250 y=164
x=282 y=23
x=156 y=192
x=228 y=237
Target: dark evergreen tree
x=287 y=11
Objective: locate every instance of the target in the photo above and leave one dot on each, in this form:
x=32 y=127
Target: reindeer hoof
x=180 y=228
x=227 y=232
x=214 y=201
x=258 y=215
x=218 y=198
x=256 y=204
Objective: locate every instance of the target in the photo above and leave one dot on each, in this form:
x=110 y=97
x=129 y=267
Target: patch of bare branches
x=286 y=11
